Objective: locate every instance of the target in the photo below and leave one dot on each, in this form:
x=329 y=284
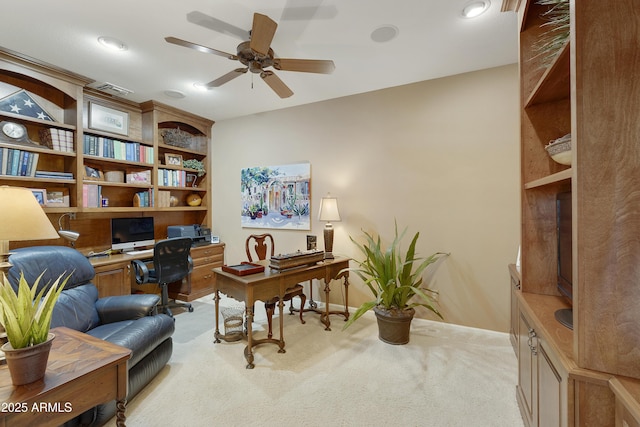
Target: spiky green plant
x=557 y=30
x=391 y=277
x=26 y=315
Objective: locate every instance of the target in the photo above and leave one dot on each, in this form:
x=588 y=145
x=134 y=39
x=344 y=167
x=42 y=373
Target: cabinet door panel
x=113 y=280
x=526 y=372
x=549 y=391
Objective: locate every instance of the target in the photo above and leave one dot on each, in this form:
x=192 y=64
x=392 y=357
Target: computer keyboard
x=140 y=253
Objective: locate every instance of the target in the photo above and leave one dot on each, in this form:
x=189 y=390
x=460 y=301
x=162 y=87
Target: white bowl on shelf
x=560 y=150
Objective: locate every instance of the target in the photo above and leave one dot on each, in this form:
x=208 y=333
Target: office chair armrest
x=141 y=271
x=126 y=307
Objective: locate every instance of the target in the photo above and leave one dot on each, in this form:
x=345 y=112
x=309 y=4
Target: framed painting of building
x=276 y=197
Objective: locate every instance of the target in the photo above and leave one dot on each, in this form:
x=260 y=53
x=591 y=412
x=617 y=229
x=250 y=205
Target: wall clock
x=14 y=132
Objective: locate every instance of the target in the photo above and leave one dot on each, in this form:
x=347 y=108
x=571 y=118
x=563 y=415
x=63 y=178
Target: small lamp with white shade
x=328 y=212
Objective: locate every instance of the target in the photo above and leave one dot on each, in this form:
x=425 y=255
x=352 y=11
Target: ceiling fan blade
x=304 y=65
x=198 y=47
x=278 y=86
x=226 y=78
x=262 y=32
x=214 y=24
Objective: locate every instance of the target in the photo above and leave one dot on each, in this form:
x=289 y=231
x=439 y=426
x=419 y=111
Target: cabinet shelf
x=118 y=184
x=167 y=147
x=189 y=189
x=554 y=84
x=119 y=209
x=115 y=136
x=547 y=180
x=32 y=180
x=37 y=149
x=27 y=119
x=109 y=160
x=182 y=209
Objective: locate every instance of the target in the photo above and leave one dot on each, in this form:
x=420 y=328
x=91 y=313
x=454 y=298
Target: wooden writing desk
x=82 y=372
x=270 y=283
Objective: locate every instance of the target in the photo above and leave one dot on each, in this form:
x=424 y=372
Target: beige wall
x=440 y=156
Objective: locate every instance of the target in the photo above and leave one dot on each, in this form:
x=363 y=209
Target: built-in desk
x=114 y=277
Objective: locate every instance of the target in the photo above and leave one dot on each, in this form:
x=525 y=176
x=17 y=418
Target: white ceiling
x=433 y=41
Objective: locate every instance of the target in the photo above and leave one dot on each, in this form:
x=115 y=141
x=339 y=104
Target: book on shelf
x=91 y=196
x=143 y=199
x=100 y=146
x=172 y=178
x=17 y=162
x=57 y=139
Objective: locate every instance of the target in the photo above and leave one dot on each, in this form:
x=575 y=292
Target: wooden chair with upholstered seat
x=260 y=244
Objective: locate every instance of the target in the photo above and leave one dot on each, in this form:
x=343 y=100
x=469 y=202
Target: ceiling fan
x=256 y=55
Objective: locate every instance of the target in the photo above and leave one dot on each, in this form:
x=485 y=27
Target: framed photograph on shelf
x=108 y=120
x=173 y=159
x=40 y=194
x=93 y=174
x=57 y=197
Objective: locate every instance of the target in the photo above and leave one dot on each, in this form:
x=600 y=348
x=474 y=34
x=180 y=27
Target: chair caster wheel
x=190 y=309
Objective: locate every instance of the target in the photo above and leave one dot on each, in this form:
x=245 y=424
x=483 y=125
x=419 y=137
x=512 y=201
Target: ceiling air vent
x=113 y=89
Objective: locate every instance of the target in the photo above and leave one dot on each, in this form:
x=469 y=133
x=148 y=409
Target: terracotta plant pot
x=29 y=364
x=394 y=326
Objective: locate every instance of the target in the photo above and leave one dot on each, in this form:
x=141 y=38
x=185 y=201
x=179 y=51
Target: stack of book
x=16 y=162
x=54 y=174
x=57 y=139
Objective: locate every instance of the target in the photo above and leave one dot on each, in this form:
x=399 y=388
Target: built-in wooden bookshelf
x=570 y=377
x=76 y=156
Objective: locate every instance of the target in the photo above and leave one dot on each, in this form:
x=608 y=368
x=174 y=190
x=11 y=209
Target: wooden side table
x=82 y=372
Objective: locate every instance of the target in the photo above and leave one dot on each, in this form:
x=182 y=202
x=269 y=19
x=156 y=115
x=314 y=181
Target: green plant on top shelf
x=557 y=28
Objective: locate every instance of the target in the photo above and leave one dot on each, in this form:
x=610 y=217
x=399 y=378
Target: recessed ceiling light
x=384 y=33
x=475 y=8
x=112 y=43
x=176 y=94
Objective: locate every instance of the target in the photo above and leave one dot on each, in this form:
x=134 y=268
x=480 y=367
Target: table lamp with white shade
x=328 y=212
x=21 y=218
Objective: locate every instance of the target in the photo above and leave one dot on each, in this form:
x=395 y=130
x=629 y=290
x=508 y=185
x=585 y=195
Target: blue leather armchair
x=131 y=321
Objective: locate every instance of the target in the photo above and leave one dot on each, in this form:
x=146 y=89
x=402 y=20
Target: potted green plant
x=26 y=317
x=395 y=280
x=194 y=164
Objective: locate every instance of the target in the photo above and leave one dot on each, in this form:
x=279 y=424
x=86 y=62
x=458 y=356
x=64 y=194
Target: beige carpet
x=446 y=376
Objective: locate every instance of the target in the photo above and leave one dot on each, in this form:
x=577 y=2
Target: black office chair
x=260 y=243
x=171 y=262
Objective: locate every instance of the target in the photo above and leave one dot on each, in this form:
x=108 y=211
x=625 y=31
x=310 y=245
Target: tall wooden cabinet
x=99 y=156
x=591 y=91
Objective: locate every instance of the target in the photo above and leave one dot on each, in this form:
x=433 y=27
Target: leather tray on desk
x=243 y=268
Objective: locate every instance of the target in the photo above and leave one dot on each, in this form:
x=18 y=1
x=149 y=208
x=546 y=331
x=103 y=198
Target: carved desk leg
x=217 y=335
x=346 y=297
x=281 y=343
x=248 y=350
x=120 y=416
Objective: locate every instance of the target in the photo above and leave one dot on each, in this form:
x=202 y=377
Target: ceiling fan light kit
x=256 y=55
